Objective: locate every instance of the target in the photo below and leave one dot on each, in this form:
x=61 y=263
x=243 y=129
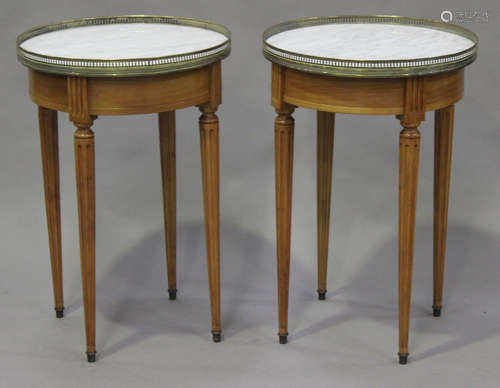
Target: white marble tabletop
x=370 y=45
x=369 y=41
x=130 y=45
x=123 y=41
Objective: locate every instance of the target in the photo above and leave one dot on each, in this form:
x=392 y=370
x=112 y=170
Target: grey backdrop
x=348 y=340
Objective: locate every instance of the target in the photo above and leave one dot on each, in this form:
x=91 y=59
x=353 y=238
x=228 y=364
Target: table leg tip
x=322 y=295
x=403 y=358
x=283 y=338
x=436 y=311
x=59 y=312
x=172 y=294
x=91 y=356
x=216 y=336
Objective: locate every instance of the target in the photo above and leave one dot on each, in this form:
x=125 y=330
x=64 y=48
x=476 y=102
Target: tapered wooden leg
x=409 y=147
x=326 y=122
x=442 y=169
x=166 y=121
x=283 y=146
x=209 y=141
x=85 y=184
x=49 y=141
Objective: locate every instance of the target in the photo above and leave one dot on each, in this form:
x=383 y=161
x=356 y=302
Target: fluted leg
x=442 y=169
x=49 y=141
x=325 y=121
x=283 y=143
x=85 y=184
x=409 y=147
x=209 y=136
x=166 y=122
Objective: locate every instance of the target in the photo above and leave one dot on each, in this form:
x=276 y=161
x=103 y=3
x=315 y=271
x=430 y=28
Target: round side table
x=126 y=65
x=384 y=65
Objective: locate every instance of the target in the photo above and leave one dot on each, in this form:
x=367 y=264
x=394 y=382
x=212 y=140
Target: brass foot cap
x=59 y=312
x=216 y=336
x=172 y=294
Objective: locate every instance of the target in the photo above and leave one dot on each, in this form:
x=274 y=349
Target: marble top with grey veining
x=364 y=41
x=123 y=41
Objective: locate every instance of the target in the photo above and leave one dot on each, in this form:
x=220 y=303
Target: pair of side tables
x=384 y=65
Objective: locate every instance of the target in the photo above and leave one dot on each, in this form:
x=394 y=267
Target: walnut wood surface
x=409 y=99
x=49 y=141
x=209 y=146
x=283 y=140
x=409 y=146
x=84 y=99
x=85 y=185
x=133 y=95
x=166 y=123
x=409 y=150
x=326 y=125
x=361 y=95
x=443 y=128
x=78 y=105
